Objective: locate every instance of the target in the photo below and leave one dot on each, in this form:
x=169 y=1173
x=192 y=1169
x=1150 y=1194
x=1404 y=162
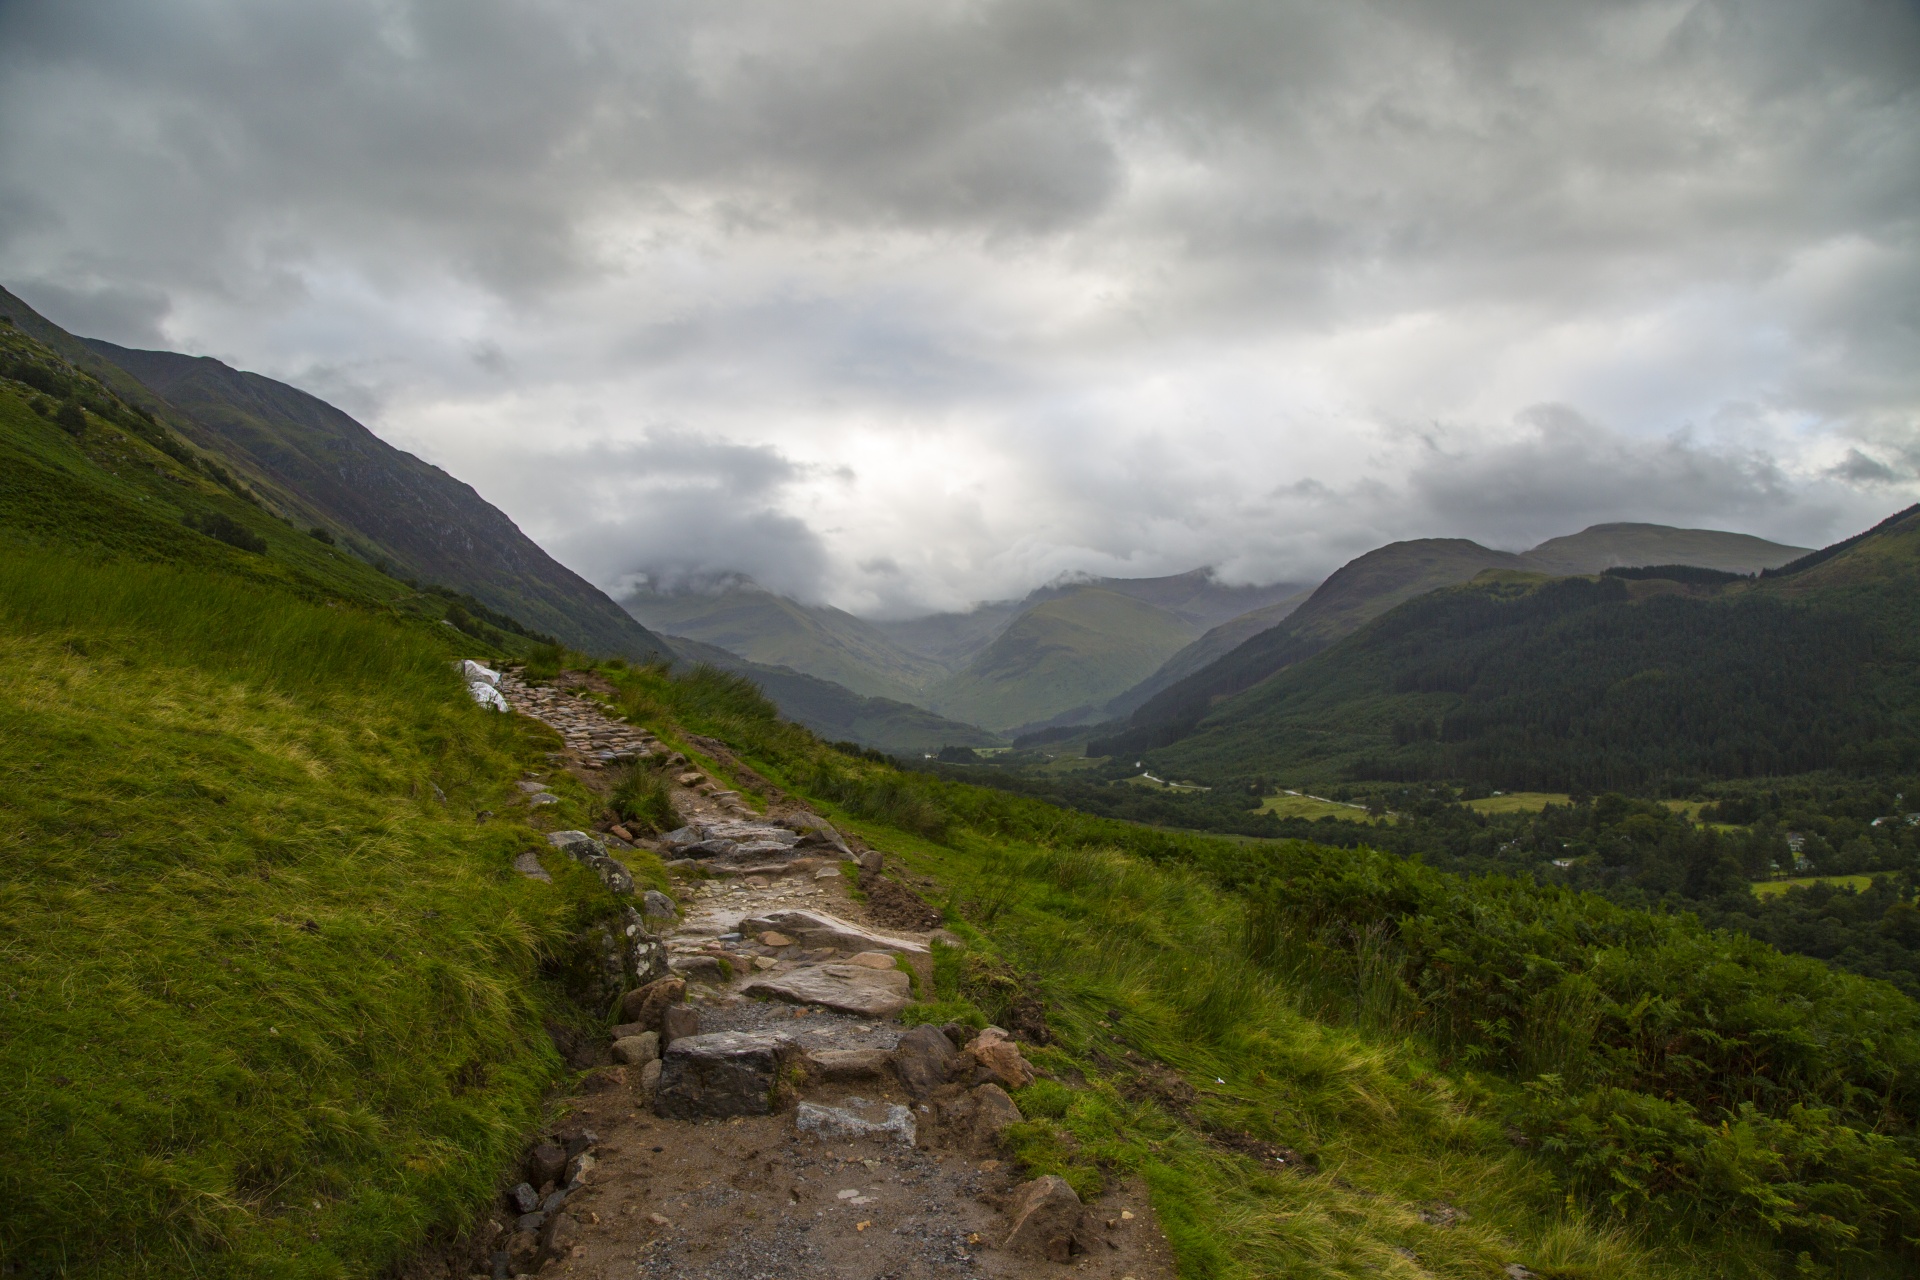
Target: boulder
x=528 y=865
x=922 y=1060
x=524 y=1198
x=848 y=988
x=819 y=929
x=722 y=1074
x=702 y=968
x=643 y=1006
x=656 y=905
x=817 y=831
x=999 y=1061
x=873 y=959
x=487 y=696
x=472 y=671
x=848 y=1064
x=678 y=1020
x=650 y=1078
x=637 y=1051
x=993 y=1111
x=545 y=1163
x=846 y=1122
x=1046 y=1218
x=587 y=851
x=560 y=1235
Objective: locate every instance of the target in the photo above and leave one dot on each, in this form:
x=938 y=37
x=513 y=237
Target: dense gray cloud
x=1016 y=287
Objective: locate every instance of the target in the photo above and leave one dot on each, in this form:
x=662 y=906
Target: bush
x=320 y=535
x=224 y=528
x=72 y=419
x=642 y=796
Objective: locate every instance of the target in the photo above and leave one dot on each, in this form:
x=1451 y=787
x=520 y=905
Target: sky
x=903 y=306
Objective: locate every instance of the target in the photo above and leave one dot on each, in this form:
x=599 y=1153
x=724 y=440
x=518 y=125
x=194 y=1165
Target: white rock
x=471 y=671
x=837 y=1122
x=487 y=696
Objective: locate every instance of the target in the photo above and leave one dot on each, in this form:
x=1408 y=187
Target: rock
x=947 y=938
x=637 y=1051
x=561 y=1234
x=724 y=1073
x=578 y=1168
x=656 y=905
x=650 y=1078
x=1046 y=1217
x=1517 y=1272
x=827 y=873
x=545 y=1163
x=922 y=1060
x=472 y=671
x=959 y=1033
x=528 y=865
x=644 y=1005
x=524 y=1198
x=522 y=1248
x=487 y=696
x=993 y=1111
x=773 y=939
x=999 y=1060
x=848 y=1064
x=838 y=1122
x=678 y=1020
x=531 y=788
x=819 y=929
x=626 y=1029
x=764 y=962
x=873 y=959
x=702 y=968
x=848 y=988
x=587 y=851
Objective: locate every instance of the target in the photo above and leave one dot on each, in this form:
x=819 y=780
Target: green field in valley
x=1771 y=888
x=1518 y=801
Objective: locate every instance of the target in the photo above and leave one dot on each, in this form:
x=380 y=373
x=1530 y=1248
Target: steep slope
x=1608 y=546
x=1526 y=682
x=387 y=503
x=952 y=639
x=837 y=713
x=1207 y=650
x=1076 y=650
x=817 y=640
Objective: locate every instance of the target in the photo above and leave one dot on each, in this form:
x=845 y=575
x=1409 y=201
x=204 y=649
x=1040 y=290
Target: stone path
x=826 y=1141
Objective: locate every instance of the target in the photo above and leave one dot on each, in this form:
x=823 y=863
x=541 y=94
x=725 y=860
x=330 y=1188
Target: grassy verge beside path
x=270 y=1006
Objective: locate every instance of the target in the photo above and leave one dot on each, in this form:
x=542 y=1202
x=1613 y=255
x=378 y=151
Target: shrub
x=224 y=528
x=71 y=418
x=320 y=535
x=642 y=796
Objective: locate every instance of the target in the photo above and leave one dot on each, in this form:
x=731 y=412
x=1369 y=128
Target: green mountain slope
x=837 y=713
x=1526 y=682
x=394 y=506
x=1163 y=710
x=769 y=629
x=1075 y=650
x=1207 y=650
x=1608 y=546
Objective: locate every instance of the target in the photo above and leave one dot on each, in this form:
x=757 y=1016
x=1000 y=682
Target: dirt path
x=741 y=1197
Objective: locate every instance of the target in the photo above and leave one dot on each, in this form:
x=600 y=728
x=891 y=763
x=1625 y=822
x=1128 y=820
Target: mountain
x=837 y=713
x=386 y=503
x=1528 y=682
x=1207 y=650
x=817 y=640
x=1164 y=710
x=1609 y=546
x=1076 y=650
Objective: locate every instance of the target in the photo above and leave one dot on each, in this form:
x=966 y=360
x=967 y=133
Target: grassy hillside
x=1607 y=546
x=838 y=714
x=773 y=631
x=1076 y=650
x=272 y=1007
x=1524 y=682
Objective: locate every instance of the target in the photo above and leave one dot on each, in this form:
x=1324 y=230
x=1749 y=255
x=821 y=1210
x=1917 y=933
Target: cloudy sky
x=901 y=305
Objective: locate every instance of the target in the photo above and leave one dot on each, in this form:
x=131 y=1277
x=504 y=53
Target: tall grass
x=269 y=1006
x=215 y=622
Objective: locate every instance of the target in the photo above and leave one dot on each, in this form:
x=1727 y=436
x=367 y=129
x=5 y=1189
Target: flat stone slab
x=722 y=1074
x=819 y=929
x=848 y=988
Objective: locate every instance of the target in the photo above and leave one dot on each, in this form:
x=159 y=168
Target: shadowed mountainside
x=385 y=503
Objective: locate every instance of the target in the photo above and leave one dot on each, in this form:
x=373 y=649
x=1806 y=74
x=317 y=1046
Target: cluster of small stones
x=589 y=729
